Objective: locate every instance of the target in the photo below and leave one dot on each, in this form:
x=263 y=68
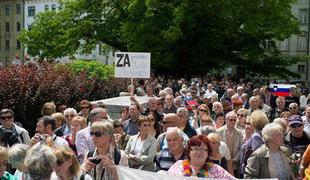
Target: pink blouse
x=216 y=171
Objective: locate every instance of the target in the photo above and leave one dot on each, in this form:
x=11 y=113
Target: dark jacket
x=189 y=130
x=60 y=131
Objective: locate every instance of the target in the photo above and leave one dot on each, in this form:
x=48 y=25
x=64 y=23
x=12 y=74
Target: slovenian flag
x=281 y=89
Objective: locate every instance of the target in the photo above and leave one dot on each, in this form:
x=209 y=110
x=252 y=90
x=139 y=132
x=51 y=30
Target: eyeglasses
x=232 y=120
x=293 y=108
x=203 y=110
x=146 y=125
x=241 y=115
x=5 y=117
x=296 y=125
x=59 y=163
x=84 y=107
x=97 y=133
x=69 y=115
x=198 y=149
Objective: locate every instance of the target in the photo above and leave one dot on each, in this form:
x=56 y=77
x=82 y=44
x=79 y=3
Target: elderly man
x=175 y=151
x=232 y=137
x=294 y=109
x=169 y=107
x=83 y=140
x=170 y=120
x=184 y=124
x=64 y=130
x=297 y=139
x=275 y=113
x=7 y=121
x=306 y=120
x=254 y=104
x=152 y=107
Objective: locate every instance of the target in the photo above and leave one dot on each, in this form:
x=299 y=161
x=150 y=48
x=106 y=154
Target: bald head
x=170 y=120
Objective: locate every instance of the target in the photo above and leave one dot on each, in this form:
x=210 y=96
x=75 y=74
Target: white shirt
x=224 y=151
x=59 y=141
x=306 y=125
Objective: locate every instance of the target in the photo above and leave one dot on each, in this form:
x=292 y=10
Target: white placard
x=132 y=65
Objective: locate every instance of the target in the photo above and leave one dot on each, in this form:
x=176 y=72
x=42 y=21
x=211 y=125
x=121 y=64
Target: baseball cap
x=294 y=119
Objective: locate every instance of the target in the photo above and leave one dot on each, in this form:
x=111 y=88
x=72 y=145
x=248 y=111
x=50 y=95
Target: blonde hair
x=4 y=153
x=65 y=153
x=270 y=129
x=105 y=126
x=80 y=120
x=214 y=137
x=259 y=120
x=58 y=116
x=48 y=108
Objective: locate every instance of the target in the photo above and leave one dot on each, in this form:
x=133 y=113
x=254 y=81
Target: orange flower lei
x=203 y=172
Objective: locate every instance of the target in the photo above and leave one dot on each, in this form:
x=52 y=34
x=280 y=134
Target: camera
x=94 y=160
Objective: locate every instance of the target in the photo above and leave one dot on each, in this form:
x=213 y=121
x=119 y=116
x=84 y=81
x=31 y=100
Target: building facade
x=11 y=23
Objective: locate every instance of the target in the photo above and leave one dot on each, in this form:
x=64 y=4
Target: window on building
x=301 y=68
x=53 y=7
x=46 y=7
x=7 y=27
x=302 y=42
x=7 y=44
x=31 y=11
x=18 y=26
x=284 y=45
x=18 y=8
x=17 y=44
x=29 y=27
x=303 y=16
x=7 y=10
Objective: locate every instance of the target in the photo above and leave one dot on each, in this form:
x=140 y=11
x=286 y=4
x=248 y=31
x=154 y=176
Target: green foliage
x=182 y=35
x=93 y=69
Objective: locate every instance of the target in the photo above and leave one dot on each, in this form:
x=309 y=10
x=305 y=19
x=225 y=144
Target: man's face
x=231 y=121
x=152 y=104
x=293 y=108
x=68 y=117
x=169 y=100
x=193 y=93
x=297 y=130
x=307 y=113
x=280 y=103
x=133 y=111
x=254 y=103
x=101 y=116
x=41 y=128
x=169 y=122
x=7 y=120
x=175 y=143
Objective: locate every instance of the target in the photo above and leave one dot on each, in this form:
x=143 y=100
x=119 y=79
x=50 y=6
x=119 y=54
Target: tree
x=182 y=35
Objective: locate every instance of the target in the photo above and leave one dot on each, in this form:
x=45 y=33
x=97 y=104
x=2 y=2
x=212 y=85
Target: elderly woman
x=77 y=123
x=17 y=154
x=100 y=163
x=4 y=175
x=67 y=165
x=217 y=108
x=141 y=148
x=198 y=163
x=269 y=161
x=40 y=162
x=59 y=119
x=242 y=115
x=258 y=122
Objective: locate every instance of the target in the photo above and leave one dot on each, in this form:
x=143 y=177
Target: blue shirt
x=131 y=127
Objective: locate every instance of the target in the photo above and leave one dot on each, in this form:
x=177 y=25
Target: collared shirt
x=83 y=142
x=66 y=131
x=164 y=160
x=306 y=125
x=131 y=127
x=59 y=141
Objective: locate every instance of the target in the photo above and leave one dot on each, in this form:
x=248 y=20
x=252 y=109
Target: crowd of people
x=189 y=127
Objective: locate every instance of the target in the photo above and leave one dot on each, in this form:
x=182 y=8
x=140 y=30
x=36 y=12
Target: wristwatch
x=301 y=167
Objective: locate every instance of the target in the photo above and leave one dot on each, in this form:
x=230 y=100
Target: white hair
x=68 y=110
x=174 y=129
x=270 y=129
x=182 y=110
x=17 y=153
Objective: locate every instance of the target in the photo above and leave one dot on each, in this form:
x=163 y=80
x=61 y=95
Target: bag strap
x=117 y=156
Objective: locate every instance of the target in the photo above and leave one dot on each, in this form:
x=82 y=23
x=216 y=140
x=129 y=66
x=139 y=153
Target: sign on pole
x=132 y=65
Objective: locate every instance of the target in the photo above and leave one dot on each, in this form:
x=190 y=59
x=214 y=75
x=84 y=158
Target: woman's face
x=75 y=127
x=241 y=118
x=277 y=138
x=125 y=114
x=248 y=128
x=151 y=117
x=214 y=145
x=220 y=121
x=3 y=163
x=199 y=154
x=100 y=138
x=62 y=166
x=58 y=123
x=145 y=127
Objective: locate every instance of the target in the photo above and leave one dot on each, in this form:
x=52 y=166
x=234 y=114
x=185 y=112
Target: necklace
x=203 y=172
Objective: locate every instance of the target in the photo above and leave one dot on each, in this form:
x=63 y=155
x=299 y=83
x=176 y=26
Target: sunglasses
x=152 y=119
x=6 y=117
x=97 y=133
x=203 y=110
x=293 y=108
x=247 y=123
x=59 y=163
x=84 y=107
x=296 y=125
x=232 y=120
x=241 y=115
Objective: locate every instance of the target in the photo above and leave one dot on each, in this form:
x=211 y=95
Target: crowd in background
x=204 y=127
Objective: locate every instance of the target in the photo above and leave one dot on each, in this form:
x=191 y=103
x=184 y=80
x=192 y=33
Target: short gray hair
x=96 y=111
x=231 y=113
x=270 y=129
x=105 y=126
x=175 y=129
x=205 y=130
x=40 y=162
x=182 y=110
x=68 y=110
x=17 y=154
